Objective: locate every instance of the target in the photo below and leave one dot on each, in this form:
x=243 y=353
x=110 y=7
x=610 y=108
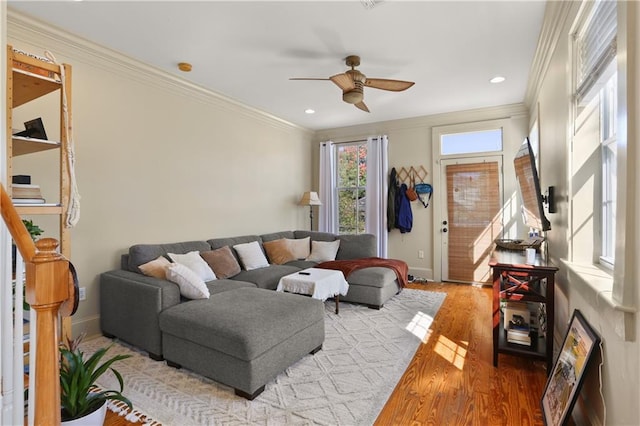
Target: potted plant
x=34 y=230
x=79 y=395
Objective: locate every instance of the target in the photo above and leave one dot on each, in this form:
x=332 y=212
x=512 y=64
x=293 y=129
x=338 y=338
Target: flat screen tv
x=529 y=188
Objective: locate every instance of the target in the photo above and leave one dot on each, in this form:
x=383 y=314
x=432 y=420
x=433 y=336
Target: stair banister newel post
x=47 y=288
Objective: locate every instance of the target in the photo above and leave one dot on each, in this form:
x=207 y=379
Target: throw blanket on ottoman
x=400 y=267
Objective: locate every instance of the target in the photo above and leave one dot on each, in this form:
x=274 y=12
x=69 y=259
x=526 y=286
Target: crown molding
x=518 y=110
x=555 y=17
x=29 y=30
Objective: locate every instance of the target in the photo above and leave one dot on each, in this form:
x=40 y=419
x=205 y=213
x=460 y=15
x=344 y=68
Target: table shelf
x=515 y=280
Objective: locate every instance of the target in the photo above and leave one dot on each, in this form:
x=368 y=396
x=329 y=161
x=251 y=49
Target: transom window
x=471 y=142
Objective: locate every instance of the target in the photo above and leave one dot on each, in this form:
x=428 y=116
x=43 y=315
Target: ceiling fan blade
x=343 y=81
x=362 y=106
x=311 y=78
x=384 y=84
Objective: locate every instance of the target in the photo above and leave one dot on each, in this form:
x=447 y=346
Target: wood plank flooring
x=451 y=380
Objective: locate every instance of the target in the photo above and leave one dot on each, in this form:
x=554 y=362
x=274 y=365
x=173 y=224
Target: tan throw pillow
x=156 y=268
x=324 y=251
x=251 y=255
x=191 y=285
x=278 y=251
x=222 y=261
x=300 y=247
x=193 y=261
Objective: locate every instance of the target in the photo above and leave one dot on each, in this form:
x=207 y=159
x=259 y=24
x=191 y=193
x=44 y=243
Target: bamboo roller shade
x=474 y=219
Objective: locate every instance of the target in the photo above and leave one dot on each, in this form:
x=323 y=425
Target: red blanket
x=348 y=266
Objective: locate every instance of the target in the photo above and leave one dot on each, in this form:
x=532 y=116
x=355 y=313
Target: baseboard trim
x=90 y=326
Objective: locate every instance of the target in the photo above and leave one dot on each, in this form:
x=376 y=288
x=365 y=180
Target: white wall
x=159 y=160
x=620 y=357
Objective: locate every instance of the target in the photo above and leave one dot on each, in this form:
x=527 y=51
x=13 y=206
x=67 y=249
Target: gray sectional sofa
x=244 y=333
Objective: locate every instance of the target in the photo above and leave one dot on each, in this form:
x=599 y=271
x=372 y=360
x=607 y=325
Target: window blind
x=596 y=47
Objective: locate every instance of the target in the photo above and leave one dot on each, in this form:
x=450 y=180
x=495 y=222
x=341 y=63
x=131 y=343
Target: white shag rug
x=365 y=353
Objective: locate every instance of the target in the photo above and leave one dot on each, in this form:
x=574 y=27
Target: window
x=595 y=96
x=471 y=142
x=351 y=169
x=608 y=102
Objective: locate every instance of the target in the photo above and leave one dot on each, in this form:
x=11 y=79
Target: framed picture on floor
x=565 y=380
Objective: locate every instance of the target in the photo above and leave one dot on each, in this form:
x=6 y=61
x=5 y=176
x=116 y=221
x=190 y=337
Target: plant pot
x=96 y=418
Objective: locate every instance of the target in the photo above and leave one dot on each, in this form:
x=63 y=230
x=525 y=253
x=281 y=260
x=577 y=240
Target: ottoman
x=242 y=338
x=372 y=286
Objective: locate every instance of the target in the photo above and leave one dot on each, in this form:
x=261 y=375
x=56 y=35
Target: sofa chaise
x=244 y=333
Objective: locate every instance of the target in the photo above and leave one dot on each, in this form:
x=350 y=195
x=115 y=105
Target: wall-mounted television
x=529 y=188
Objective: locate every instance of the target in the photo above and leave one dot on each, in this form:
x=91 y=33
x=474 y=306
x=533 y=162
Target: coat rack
x=404 y=174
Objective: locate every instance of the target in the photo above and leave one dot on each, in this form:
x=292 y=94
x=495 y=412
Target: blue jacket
x=404 y=215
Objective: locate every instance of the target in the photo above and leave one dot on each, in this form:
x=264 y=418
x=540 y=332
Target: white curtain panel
x=327 y=220
x=377 y=187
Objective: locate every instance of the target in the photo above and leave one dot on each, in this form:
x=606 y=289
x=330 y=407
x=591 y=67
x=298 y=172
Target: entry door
x=472 y=217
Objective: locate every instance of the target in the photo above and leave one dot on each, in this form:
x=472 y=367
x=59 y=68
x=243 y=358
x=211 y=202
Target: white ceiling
x=248 y=50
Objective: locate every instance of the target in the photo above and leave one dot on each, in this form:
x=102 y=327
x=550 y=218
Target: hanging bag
x=412 y=195
x=422 y=189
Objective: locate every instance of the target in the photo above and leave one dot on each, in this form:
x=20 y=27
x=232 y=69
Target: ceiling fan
x=352 y=83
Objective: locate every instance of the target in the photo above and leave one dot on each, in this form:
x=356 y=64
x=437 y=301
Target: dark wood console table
x=514 y=280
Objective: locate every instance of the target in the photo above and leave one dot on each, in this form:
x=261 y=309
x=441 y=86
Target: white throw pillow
x=251 y=255
x=300 y=247
x=191 y=285
x=323 y=251
x=196 y=263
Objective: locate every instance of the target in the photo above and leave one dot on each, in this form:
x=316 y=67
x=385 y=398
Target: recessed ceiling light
x=310 y=111
x=497 y=79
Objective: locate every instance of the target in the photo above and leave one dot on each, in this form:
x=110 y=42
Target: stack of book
x=517 y=323
x=23 y=193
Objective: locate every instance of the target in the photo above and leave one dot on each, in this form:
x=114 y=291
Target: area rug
x=364 y=355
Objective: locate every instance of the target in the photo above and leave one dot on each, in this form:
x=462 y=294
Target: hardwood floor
x=451 y=379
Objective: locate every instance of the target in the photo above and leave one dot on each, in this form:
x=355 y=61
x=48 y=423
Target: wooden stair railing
x=49 y=290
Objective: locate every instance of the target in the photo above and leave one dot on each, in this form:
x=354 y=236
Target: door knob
x=444 y=230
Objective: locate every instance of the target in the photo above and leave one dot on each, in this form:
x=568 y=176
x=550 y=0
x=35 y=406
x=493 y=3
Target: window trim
x=608 y=138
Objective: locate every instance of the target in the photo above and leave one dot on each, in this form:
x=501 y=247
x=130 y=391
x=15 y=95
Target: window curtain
x=377 y=187
x=327 y=220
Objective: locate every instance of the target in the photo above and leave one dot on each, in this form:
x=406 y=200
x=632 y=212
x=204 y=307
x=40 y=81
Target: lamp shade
x=310 y=198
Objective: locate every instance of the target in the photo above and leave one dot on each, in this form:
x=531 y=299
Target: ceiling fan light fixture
x=352 y=96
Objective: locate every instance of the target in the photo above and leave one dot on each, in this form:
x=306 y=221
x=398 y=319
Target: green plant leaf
x=78 y=378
